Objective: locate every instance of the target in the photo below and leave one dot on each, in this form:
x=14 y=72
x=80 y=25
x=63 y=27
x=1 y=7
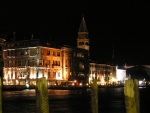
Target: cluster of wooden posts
x=131 y=93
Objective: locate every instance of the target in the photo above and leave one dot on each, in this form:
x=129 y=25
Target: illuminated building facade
x=104 y=73
x=26 y=60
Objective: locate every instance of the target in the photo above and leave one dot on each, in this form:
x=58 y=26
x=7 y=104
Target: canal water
x=110 y=100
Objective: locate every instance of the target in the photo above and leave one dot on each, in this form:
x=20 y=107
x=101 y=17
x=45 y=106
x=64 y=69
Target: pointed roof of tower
x=83 y=27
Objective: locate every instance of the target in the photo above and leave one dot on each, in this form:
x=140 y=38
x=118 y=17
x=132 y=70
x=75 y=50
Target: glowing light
x=58 y=76
x=17 y=82
x=27 y=85
x=80 y=84
x=102 y=81
x=73 y=84
x=114 y=79
x=140 y=82
x=121 y=74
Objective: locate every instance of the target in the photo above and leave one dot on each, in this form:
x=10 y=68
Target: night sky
x=124 y=24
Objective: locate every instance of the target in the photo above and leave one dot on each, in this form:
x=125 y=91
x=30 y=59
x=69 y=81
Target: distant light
x=140 y=82
x=80 y=84
x=27 y=85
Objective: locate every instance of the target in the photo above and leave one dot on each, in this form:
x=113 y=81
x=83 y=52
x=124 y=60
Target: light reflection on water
x=110 y=100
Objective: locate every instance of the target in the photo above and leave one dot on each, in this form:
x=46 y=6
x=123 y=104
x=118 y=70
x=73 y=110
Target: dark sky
x=126 y=24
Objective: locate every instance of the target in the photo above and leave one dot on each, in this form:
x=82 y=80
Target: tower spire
x=83 y=27
x=83 y=40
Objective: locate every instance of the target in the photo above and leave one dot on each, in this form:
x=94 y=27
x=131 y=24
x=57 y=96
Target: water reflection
x=111 y=100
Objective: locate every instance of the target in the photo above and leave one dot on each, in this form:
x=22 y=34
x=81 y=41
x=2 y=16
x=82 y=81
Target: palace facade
x=26 y=60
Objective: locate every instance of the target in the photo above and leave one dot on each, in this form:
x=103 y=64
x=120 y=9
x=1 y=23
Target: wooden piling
x=42 y=102
x=0 y=95
x=94 y=96
x=131 y=93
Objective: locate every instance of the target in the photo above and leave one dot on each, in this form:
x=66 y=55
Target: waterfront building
x=26 y=60
x=105 y=74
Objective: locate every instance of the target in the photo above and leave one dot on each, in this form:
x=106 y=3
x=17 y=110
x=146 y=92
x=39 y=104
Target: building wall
x=104 y=74
x=23 y=64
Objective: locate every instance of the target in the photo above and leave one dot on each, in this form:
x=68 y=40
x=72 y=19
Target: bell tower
x=83 y=40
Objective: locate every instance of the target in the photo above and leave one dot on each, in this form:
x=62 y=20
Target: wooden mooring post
x=42 y=102
x=94 y=96
x=131 y=93
x=0 y=95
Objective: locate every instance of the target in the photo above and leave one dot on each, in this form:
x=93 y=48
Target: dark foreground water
x=111 y=100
